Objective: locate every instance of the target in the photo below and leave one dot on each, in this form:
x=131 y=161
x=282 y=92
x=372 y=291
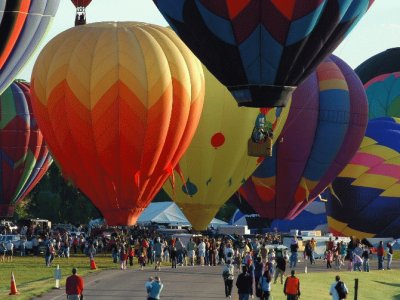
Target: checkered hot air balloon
x=24 y=156
x=262 y=49
x=367 y=201
x=118 y=104
x=324 y=129
x=23 y=24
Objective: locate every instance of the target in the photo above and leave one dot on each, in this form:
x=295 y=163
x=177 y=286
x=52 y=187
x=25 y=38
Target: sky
x=378 y=30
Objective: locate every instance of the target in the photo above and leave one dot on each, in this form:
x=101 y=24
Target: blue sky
x=376 y=32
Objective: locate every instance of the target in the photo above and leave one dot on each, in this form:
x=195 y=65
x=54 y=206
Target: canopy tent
x=168 y=213
x=313 y=217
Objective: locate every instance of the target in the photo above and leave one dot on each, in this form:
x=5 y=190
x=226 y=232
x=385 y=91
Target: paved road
x=197 y=283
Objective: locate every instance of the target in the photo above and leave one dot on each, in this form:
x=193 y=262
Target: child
x=142 y=261
x=329 y=259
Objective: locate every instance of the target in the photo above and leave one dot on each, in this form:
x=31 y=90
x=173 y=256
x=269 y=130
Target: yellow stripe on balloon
x=367 y=141
x=381 y=151
x=334 y=84
x=353 y=171
x=394 y=161
x=393 y=191
x=345 y=230
x=265 y=182
x=374 y=181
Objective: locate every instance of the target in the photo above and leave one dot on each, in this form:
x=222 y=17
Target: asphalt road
x=182 y=283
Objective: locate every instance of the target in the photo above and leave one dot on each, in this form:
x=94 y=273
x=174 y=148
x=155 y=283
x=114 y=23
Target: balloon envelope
x=367 y=202
x=325 y=126
x=23 y=24
x=216 y=162
x=118 y=104
x=24 y=156
x=380 y=75
x=260 y=50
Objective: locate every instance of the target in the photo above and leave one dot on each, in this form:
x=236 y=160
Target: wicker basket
x=259 y=149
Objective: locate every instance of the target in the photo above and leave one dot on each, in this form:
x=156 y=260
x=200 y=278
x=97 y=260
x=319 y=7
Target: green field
x=34 y=278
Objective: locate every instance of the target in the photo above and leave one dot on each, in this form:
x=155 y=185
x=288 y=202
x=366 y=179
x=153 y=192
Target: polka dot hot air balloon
x=262 y=49
x=216 y=162
x=380 y=75
x=24 y=156
x=23 y=24
x=118 y=104
x=367 y=202
x=324 y=129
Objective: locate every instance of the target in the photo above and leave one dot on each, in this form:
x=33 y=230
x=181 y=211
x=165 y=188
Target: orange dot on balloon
x=217 y=140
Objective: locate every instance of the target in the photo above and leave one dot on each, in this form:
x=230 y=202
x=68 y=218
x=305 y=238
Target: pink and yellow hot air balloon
x=118 y=104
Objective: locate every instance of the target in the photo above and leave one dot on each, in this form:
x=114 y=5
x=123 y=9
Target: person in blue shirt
x=156 y=288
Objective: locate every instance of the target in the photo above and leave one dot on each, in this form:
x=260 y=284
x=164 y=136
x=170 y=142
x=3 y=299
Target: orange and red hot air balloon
x=118 y=111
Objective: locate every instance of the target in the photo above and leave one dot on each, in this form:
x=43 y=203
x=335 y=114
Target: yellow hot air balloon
x=216 y=162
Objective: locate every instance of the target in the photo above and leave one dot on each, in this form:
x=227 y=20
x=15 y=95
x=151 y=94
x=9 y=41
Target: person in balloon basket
x=291 y=289
x=74 y=286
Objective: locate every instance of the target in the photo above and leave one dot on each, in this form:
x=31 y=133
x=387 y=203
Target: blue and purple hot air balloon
x=262 y=49
x=323 y=131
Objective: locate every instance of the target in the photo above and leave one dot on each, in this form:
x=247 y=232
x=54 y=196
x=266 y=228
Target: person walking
x=280 y=268
x=380 y=253
x=291 y=289
x=338 y=289
x=244 y=284
x=294 y=247
x=228 y=275
x=155 y=289
x=74 y=286
x=389 y=256
x=265 y=285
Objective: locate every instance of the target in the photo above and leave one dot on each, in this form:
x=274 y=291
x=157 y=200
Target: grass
x=373 y=285
x=33 y=278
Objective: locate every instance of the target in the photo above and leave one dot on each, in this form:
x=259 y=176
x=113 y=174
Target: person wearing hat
x=74 y=286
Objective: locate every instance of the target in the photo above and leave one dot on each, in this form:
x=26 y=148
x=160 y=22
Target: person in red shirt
x=74 y=286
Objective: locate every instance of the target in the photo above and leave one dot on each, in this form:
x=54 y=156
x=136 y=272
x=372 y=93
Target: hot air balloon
x=24 y=155
x=117 y=110
x=23 y=24
x=261 y=50
x=380 y=75
x=216 y=162
x=80 y=17
x=367 y=198
x=324 y=129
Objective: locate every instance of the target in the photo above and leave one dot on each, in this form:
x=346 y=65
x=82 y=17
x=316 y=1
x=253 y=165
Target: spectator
x=158 y=253
x=280 y=268
x=244 y=284
x=294 y=247
x=380 y=253
x=389 y=255
x=338 y=289
x=74 y=286
x=156 y=288
x=147 y=285
x=291 y=289
x=265 y=285
x=228 y=275
x=365 y=257
x=10 y=251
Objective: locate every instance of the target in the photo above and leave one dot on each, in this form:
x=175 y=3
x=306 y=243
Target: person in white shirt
x=202 y=251
x=333 y=291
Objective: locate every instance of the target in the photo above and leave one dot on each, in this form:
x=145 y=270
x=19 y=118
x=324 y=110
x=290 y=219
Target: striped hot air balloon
x=367 y=202
x=216 y=162
x=262 y=49
x=24 y=156
x=118 y=104
x=324 y=129
x=23 y=24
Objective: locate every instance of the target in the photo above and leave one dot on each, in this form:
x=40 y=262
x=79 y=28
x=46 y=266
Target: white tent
x=168 y=213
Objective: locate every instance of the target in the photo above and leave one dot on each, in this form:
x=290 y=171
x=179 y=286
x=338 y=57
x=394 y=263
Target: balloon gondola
x=80 y=17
